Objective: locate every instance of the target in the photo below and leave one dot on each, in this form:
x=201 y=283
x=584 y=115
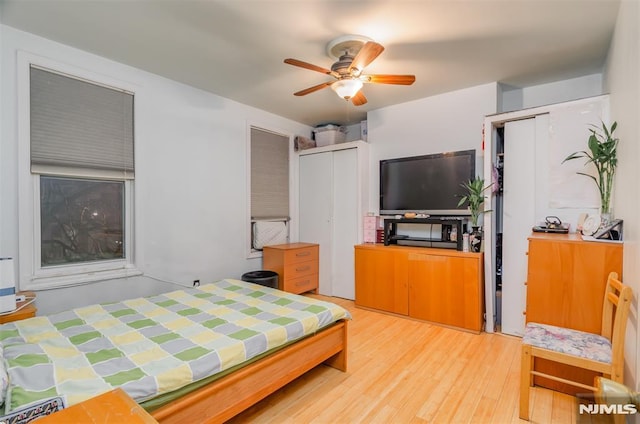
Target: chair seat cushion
x=565 y=340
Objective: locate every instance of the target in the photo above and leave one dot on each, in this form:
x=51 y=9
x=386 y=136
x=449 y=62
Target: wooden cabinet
x=438 y=285
x=297 y=265
x=381 y=279
x=24 y=310
x=108 y=408
x=566 y=279
x=446 y=289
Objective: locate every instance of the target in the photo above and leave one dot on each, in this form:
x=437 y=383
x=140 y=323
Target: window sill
x=254 y=254
x=60 y=281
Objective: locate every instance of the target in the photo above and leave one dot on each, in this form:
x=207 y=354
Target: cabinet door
x=518 y=218
x=345 y=219
x=329 y=216
x=446 y=290
x=316 y=208
x=381 y=280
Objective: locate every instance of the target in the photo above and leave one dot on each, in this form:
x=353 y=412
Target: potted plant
x=602 y=153
x=475 y=198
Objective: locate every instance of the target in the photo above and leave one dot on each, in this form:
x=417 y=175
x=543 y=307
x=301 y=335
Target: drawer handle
x=303 y=268
x=305 y=253
x=302 y=283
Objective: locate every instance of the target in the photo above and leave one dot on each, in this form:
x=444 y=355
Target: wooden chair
x=602 y=352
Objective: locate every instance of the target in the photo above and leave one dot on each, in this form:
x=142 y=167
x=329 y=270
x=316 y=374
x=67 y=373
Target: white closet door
x=316 y=208
x=518 y=218
x=345 y=222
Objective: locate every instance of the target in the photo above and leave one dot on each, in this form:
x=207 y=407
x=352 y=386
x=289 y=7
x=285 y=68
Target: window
x=80 y=220
x=81 y=166
x=269 y=188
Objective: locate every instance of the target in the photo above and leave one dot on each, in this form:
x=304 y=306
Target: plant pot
x=475 y=239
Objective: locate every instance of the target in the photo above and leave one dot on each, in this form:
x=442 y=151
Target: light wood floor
x=406 y=371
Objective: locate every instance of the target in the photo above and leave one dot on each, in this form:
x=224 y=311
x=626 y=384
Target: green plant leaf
x=602 y=152
x=575 y=155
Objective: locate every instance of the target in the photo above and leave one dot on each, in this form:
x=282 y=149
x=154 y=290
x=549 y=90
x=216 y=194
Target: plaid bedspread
x=154 y=345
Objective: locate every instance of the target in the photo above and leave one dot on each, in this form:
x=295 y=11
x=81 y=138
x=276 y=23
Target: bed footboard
x=232 y=394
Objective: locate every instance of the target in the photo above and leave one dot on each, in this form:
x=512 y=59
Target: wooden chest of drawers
x=296 y=264
x=25 y=309
x=114 y=407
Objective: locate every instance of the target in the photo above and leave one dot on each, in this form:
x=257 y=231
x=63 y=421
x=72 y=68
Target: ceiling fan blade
x=390 y=79
x=366 y=55
x=305 y=65
x=312 y=89
x=359 y=99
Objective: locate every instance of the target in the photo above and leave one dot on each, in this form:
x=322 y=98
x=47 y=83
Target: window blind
x=79 y=124
x=269 y=175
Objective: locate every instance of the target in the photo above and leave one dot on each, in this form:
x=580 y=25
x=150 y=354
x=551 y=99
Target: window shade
x=269 y=175
x=79 y=124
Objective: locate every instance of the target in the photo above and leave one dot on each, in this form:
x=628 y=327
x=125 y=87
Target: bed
x=198 y=354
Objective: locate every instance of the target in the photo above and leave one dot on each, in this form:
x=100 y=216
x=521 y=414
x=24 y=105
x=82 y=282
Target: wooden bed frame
x=232 y=394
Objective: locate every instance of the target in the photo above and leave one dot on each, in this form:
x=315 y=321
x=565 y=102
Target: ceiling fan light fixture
x=347 y=88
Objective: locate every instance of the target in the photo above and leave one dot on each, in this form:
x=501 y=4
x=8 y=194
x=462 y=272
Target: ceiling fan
x=354 y=53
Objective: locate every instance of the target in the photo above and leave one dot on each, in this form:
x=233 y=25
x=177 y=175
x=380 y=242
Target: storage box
x=370 y=226
x=329 y=134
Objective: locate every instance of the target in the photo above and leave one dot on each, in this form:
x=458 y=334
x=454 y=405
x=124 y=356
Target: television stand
x=443 y=232
x=443 y=286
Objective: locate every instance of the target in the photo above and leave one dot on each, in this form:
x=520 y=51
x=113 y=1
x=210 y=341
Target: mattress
x=152 y=346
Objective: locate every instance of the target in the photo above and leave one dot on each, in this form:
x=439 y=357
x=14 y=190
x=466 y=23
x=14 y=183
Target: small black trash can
x=264 y=278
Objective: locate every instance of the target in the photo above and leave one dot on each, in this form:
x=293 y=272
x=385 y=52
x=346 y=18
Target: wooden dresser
x=114 y=407
x=566 y=279
x=25 y=309
x=297 y=265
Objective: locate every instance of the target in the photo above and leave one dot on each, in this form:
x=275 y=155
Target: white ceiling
x=236 y=48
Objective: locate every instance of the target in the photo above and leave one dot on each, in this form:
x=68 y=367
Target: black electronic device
x=552 y=224
x=444 y=233
x=428 y=184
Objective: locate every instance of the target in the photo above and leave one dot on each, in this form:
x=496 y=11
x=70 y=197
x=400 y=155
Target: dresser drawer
x=297 y=265
x=301 y=269
x=294 y=256
x=301 y=284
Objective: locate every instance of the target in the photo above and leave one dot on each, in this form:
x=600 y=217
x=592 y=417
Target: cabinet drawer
x=370 y=225
x=301 y=255
x=301 y=284
x=301 y=269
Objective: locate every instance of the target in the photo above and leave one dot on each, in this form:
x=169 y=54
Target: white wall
x=190 y=188
x=513 y=98
x=621 y=80
x=562 y=91
x=443 y=123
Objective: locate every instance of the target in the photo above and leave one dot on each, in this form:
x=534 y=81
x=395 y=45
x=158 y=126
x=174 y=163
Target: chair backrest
x=615 y=312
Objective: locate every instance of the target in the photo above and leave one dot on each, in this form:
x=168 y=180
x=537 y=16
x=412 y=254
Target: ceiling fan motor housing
x=342 y=65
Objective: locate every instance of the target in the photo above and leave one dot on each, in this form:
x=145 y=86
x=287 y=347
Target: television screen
x=426 y=184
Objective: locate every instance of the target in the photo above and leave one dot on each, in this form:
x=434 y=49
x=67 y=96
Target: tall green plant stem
x=602 y=153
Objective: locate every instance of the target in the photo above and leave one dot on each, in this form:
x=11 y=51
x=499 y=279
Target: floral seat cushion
x=565 y=340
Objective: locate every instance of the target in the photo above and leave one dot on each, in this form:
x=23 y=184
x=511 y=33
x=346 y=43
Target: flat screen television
x=428 y=184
